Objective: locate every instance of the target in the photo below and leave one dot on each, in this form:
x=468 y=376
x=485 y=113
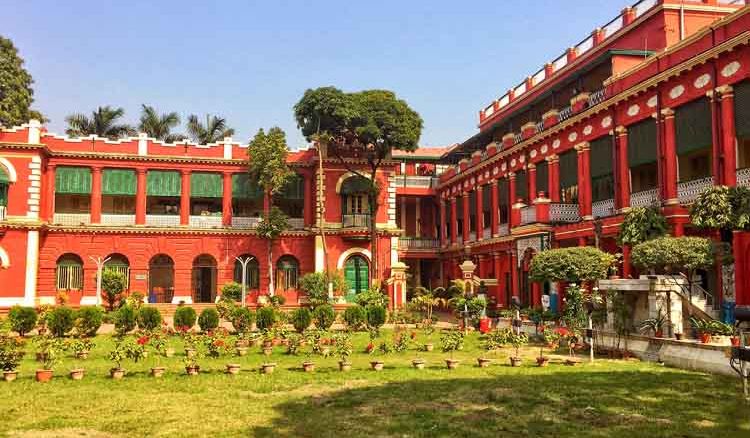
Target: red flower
x=143 y=340
x=413 y=335
x=218 y=343
x=562 y=331
x=370 y=347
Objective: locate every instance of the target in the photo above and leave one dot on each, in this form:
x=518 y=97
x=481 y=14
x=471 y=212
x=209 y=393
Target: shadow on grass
x=533 y=403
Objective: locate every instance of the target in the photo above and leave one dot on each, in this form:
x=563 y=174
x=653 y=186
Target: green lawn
x=604 y=399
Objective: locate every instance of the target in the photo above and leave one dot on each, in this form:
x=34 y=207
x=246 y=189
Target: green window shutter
x=568 y=169
x=364 y=273
x=118 y=182
x=73 y=180
x=600 y=159
x=542 y=177
x=244 y=188
x=4 y=176
x=522 y=186
x=602 y=188
x=502 y=195
x=742 y=109
x=294 y=189
x=3 y=194
x=355 y=184
x=642 y=143
x=206 y=185
x=693 y=126
x=163 y=183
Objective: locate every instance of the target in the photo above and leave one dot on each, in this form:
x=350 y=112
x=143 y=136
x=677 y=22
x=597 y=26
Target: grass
x=605 y=399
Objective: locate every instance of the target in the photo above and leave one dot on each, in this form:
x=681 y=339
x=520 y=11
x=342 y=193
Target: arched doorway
x=527 y=299
x=204 y=279
x=357 y=275
x=287 y=273
x=120 y=264
x=160 y=279
x=252 y=272
x=69 y=272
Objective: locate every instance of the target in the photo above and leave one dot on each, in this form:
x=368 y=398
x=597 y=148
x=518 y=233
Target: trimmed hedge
x=88 y=320
x=266 y=318
x=209 y=319
x=60 y=320
x=301 y=319
x=148 y=318
x=125 y=320
x=355 y=317
x=184 y=318
x=22 y=319
x=324 y=316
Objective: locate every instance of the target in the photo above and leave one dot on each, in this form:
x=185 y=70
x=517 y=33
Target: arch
x=287 y=273
x=356 y=275
x=119 y=263
x=252 y=274
x=69 y=272
x=160 y=279
x=7 y=166
x=343 y=178
x=204 y=276
x=351 y=251
x=4 y=259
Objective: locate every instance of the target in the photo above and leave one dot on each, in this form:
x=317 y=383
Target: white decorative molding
x=533 y=153
x=4 y=259
x=730 y=69
x=556 y=143
x=142 y=144
x=544 y=149
x=9 y=169
x=504 y=166
x=702 y=80
x=495 y=170
x=352 y=251
x=633 y=110
x=522 y=159
x=606 y=121
x=573 y=136
x=676 y=91
x=588 y=129
x=513 y=163
x=32 y=266
x=652 y=101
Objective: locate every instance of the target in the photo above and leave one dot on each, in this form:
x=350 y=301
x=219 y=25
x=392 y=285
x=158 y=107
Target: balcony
x=418 y=244
x=528 y=215
x=645 y=198
x=205 y=221
x=743 y=177
x=603 y=208
x=486 y=233
x=597 y=97
x=472 y=236
x=118 y=220
x=245 y=222
x=296 y=223
x=564 y=213
x=688 y=191
x=504 y=230
x=417 y=181
x=71 y=219
x=357 y=220
x=162 y=220
x=565 y=113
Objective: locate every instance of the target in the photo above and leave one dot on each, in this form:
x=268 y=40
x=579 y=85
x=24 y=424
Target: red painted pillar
x=185 y=197
x=532 y=182
x=584 y=181
x=536 y=294
x=741 y=267
x=494 y=212
x=466 y=225
x=480 y=213
x=553 y=177
x=454 y=221
x=309 y=205
x=513 y=274
x=728 y=136
x=499 y=295
x=623 y=169
x=512 y=200
x=96 y=195
x=626 y=268
x=443 y=225
x=226 y=199
x=669 y=152
x=50 y=193
x=140 y=196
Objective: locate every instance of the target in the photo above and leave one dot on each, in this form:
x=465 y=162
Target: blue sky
x=250 y=61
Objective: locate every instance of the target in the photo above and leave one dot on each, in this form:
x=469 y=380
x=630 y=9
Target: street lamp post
x=244 y=262
x=99 y=269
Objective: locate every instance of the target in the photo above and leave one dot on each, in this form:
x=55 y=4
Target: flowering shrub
x=11 y=353
x=216 y=342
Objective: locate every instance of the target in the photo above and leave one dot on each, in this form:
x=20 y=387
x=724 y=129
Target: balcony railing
x=539 y=127
x=603 y=208
x=205 y=221
x=2 y=212
x=565 y=113
x=564 y=212
x=418 y=243
x=486 y=233
x=743 y=177
x=296 y=223
x=646 y=198
x=597 y=97
x=119 y=220
x=245 y=222
x=162 y=220
x=503 y=230
x=472 y=236
x=418 y=181
x=688 y=191
x=358 y=220
x=528 y=215
x=72 y=218
x=517 y=138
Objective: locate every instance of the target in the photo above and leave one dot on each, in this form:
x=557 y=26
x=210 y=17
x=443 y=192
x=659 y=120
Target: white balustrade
x=645 y=198
x=417 y=243
x=528 y=215
x=296 y=223
x=565 y=113
x=564 y=212
x=245 y=222
x=643 y=6
x=603 y=208
x=688 y=191
x=162 y=220
x=71 y=218
x=205 y=221
x=597 y=97
x=472 y=236
x=503 y=230
x=2 y=212
x=743 y=177
x=118 y=220
x=421 y=181
x=355 y=220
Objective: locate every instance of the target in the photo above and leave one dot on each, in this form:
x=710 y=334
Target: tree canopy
x=16 y=94
x=578 y=264
x=159 y=126
x=267 y=164
x=103 y=122
x=641 y=224
x=213 y=131
x=722 y=208
x=671 y=255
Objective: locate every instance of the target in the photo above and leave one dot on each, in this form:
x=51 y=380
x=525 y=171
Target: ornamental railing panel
x=296 y=223
x=205 y=221
x=517 y=138
x=565 y=113
x=743 y=177
x=417 y=243
x=162 y=220
x=645 y=198
x=503 y=230
x=472 y=236
x=559 y=212
x=245 y=222
x=597 y=97
x=603 y=208
x=539 y=127
x=359 y=220
x=528 y=215
x=71 y=218
x=420 y=181
x=688 y=191
x=118 y=220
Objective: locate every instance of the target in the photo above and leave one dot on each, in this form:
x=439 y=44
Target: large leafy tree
x=366 y=125
x=578 y=264
x=641 y=224
x=159 y=126
x=722 y=208
x=16 y=94
x=103 y=122
x=213 y=131
x=268 y=169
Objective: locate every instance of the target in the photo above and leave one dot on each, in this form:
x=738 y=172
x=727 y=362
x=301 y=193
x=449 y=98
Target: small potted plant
x=342 y=342
x=517 y=340
x=159 y=344
x=452 y=341
x=384 y=348
x=191 y=363
x=268 y=367
x=191 y=343
x=10 y=357
x=268 y=338
x=654 y=325
x=549 y=340
x=50 y=348
x=483 y=362
x=702 y=328
x=117 y=355
x=81 y=348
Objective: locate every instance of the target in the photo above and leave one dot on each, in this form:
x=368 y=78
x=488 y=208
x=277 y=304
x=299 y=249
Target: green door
x=356 y=274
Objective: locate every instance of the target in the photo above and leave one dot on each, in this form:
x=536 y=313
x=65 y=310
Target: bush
x=301 y=319
x=355 y=317
x=148 y=318
x=60 y=320
x=124 y=320
x=184 y=318
x=577 y=264
x=315 y=286
x=375 y=316
x=232 y=291
x=671 y=255
x=88 y=320
x=324 y=316
x=22 y=319
x=266 y=318
x=113 y=285
x=209 y=319
x=242 y=319
x=374 y=296
x=641 y=224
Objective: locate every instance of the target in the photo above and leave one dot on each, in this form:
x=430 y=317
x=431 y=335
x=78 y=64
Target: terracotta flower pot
x=308 y=367
x=83 y=355
x=169 y=352
x=345 y=366
x=571 y=362
x=429 y=347
x=678 y=336
x=735 y=341
x=10 y=376
x=515 y=361
x=242 y=343
x=77 y=374
x=377 y=365
x=542 y=361
x=705 y=338
x=452 y=364
x=158 y=372
x=241 y=351
x=233 y=368
x=483 y=362
x=418 y=364
x=192 y=371
x=43 y=375
x=659 y=334
x=267 y=368
x=267 y=344
x=190 y=353
x=117 y=373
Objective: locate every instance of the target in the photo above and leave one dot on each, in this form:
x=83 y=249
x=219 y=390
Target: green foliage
x=213 y=131
x=148 y=318
x=655 y=324
x=125 y=320
x=208 y=320
x=267 y=165
x=16 y=94
x=373 y=296
x=266 y=318
x=88 y=320
x=517 y=340
x=497 y=338
x=272 y=224
x=577 y=303
x=342 y=345
x=376 y=316
x=355 y=317
x=113 y=284
x=315 y=285
x=184 y=318
x=324 y=316
x=641 y=224
x=11 y=353
x=673 y=254
x=232 y=291
x=452 y=340
x=722 y=207
x=712 y=327
x=51 y=350
x=159 y=126
x=301 y=319
x=474 y=306
x=103 y=123
x=577 y=264
x=242 y=319
x=22 y=319
x=60 y=320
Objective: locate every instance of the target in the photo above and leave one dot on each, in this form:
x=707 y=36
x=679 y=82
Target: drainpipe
x=682 y=21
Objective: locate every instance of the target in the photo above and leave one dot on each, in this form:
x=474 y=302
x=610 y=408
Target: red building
x=648 y=109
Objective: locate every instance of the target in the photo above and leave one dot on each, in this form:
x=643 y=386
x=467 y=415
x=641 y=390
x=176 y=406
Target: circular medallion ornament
x=473 y=181
x=633 y=110
x=504 y=167
x=556 y=143
x=486 y=174
x=572 y=136
x=652 y=101
x=607 y=122
x=730 y=69
x=544 y=149
x=588 y=130
x=495 y=170
x=677 y=91
x=702 y=80
x=513 y=163
x=532 y=154
x=522 y=159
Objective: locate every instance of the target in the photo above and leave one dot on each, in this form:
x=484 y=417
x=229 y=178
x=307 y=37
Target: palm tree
x=159 y=126
x=213 y=131
x=103 y=123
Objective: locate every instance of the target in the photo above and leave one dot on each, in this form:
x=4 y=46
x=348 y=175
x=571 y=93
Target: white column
x=32 y=267
x=403 y=212
x=35 y=131
x=142 y=144
x=319 y=254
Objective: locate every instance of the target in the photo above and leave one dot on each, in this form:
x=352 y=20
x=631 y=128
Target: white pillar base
x=185 y=299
